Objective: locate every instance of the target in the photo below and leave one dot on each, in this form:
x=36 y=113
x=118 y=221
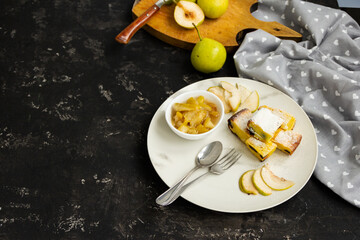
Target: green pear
x=208 y=55
x=213 y=8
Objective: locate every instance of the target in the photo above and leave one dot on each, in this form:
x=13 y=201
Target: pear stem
x=197 y=31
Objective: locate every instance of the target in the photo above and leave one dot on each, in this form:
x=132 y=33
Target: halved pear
x=235 y=96
x=220 y=93
x=186 y=13
x=259 y=183
x=251 y=102
x=273 y=181
x=246 y=184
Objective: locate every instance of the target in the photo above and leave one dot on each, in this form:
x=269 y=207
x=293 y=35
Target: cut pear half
x=246 y=183
x=259 y=183
x=273 y=181
x=188 y=13
x=251 y=102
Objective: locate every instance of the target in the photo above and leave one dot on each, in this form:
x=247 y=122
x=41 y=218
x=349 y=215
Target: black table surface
x=75 y=107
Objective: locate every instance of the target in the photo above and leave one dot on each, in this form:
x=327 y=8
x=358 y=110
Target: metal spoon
x=205 y=158
x=220 y=167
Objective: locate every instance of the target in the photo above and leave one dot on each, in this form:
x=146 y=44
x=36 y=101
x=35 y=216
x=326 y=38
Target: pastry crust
x=287 y=141
x=260 y=149
x=265 y=131
x=237 y=123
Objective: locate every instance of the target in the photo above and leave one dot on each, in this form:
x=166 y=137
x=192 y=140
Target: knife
x=125 y=35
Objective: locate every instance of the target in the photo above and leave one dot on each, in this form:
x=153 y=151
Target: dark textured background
x=75 y=107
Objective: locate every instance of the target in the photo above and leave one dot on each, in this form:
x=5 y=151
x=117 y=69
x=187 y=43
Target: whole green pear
x=213 y=8
x=208 y=55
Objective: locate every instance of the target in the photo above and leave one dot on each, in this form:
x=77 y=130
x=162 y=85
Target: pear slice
x=251 y=102
x=244 y=92
x=259 y=183
x=234 y=99
x=186 y=13
x=222 y=94
x=227 y=95
x=234 y=102
x=273 y=181
x=246 y=184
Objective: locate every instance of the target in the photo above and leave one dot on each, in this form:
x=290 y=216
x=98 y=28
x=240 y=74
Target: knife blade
x=125 y=35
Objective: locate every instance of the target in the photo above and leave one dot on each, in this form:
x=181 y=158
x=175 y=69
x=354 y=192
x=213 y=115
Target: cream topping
x=268 y=121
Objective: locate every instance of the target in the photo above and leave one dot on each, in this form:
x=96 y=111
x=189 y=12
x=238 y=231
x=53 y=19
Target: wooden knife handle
x=126 y=34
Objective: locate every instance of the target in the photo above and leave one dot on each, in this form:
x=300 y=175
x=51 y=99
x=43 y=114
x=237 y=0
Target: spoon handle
x=165 y=198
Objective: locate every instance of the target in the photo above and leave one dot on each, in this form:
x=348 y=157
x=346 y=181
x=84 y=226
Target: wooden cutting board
x=226 y=29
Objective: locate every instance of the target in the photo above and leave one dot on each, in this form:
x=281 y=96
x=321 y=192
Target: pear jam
x=195 y=116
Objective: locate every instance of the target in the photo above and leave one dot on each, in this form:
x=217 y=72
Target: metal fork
x=218 y=168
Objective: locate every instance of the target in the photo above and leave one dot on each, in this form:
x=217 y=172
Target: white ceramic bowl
x=185 y=96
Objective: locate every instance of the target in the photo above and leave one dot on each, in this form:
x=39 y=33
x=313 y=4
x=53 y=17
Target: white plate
x=172 y=156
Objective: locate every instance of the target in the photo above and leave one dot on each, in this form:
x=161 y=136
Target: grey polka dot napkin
x=322 y=73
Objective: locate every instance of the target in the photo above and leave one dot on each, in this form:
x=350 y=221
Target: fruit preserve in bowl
x=194 y=114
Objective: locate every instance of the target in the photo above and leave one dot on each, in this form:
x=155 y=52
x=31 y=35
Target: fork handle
x=171 y=194
x=164 y=198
